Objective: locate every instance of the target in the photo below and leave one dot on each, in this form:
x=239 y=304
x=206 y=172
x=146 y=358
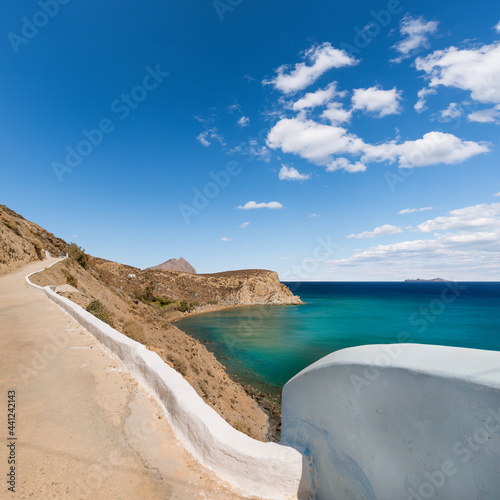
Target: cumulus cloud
x=327 y=145
x=479 y=217
x=385 y=230
x=451 y=112
x=243 y=121
x=313 y=141
x=245 y=224
x=491 y=115
x=292 y=174
x=225 y=238
x=497 y=27
x=413 y=210
x=319 y=98
x=422 y=94
x=416 y=32
x=252 y=205
x=336 y=113
x=345 y=164
x=476 y=70
x=377 y=101
x=318 y=60
x=434 y=148
x=467 y=240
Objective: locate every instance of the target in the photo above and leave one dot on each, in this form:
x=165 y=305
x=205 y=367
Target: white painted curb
x=267 y=470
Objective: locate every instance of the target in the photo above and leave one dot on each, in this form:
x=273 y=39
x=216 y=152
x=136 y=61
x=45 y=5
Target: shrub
x=77 y=254
x=212 y=302
x=183 y=306
x=70 y=279
x=13 y=228
x=96 y=307
x=135 y=331
x=179 y=364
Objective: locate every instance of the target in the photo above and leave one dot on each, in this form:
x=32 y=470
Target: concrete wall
x=399 y=422
x=267 y=470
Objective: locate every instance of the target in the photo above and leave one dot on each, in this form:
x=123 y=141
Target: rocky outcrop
x=22 y=241
x=252 y=286
x=180 y=265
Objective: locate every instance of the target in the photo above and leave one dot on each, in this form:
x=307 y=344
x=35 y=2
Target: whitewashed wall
x=266 y=470
x=397 y=422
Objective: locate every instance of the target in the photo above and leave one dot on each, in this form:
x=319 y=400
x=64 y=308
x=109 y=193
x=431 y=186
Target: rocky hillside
x=180 y=265
x=22 y=241
x=142 y=304
x=248 y=287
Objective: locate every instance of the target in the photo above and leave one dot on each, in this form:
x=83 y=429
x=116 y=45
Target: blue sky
x=323 y=140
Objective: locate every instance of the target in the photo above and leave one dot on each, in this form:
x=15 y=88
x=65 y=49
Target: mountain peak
x=180 y=265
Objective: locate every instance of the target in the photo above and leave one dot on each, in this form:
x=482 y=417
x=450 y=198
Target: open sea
x=264 y=346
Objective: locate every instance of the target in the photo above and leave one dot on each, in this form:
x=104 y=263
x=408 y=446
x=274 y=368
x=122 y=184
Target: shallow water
x=267 y=345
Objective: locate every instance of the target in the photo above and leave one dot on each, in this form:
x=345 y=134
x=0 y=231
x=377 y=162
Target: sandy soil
x=85 y=429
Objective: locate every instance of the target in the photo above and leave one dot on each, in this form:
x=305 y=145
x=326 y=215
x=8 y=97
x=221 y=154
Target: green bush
x=97 y=308
x=78 y=254
x=183 y=306
x=12 y=228
x=70 y=279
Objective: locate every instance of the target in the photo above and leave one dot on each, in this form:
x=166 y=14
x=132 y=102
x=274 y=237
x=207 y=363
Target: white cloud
x=497 y=195
x=209 y=135
x=292 y=174
x=491 y=115
x=465 y=243
x=385 y=230
x=313 y=141
x=313 y=215
x=416 y=32
x=413 y=210
x=243 y=121
x=318 y=60
x=497 y=27
x=319 y=98
x=476 y=70
x=245 y=224
x=478 y=217
x=327 y=145
x=345 y=164
x=422 y=94
x=434 y=148
x=225 y=238
x=377 y=101
x=336 y=113
x=451 y=112
x=251 y=205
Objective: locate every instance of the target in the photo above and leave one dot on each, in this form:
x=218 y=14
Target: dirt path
x=85 y=429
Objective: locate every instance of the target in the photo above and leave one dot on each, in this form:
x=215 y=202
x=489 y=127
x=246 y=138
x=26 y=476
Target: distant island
x=427 y=281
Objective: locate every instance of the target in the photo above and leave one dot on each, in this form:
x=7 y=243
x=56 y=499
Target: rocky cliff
x=22 y=241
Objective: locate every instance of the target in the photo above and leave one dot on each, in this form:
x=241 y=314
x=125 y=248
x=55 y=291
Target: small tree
x=77 y=254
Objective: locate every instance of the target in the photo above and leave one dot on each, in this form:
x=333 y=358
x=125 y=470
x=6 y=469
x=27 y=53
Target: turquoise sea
x=264 y=346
